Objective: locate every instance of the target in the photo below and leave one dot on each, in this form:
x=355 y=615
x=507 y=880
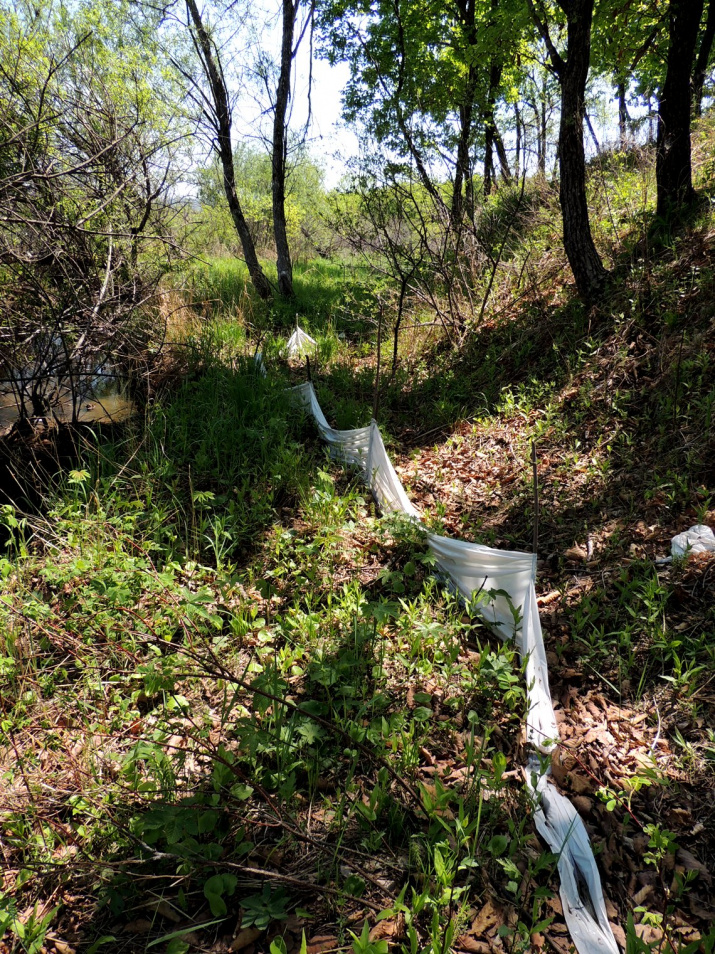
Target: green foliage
x=419 y=64
x=262 y=909
x=252 y=670
x=304 y=208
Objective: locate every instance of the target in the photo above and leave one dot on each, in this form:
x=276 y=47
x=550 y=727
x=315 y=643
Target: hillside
x=240 y=710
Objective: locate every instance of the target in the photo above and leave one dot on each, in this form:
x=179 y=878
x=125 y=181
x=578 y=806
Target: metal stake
x=536 y=497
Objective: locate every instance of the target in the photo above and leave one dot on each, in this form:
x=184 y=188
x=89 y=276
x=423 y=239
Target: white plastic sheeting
x=698 y=539
x=505 y=581
x=260 y=364
x=299 y=343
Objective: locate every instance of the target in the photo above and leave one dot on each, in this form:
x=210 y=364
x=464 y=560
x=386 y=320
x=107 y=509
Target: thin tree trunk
x=396 y=333
x=462 y=172
x=673 y=170
x=583 y=258
x=462 y=169
x=279 y=158
x=623 y=117
x=488 y=160
x=701 y=64
x=490 y=130
x=572 y=72
x=651 y=118
x=517 y=124
x=501 y=153
x=221 y=123
x=400 y=117
x=541 y=147
x=594 y=137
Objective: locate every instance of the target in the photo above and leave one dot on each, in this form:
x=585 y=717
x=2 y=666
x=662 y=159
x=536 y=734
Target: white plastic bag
x=698 y=539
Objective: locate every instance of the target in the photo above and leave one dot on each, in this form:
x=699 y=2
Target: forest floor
x=239 y=711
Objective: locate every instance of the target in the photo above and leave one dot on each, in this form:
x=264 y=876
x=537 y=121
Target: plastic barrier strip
x=298 y=342
x=474 y=567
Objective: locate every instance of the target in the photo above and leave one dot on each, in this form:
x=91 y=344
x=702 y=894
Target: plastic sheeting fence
x=472 y=569
x=298 y=343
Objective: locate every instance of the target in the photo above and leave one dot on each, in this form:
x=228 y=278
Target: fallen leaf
x=691 y=863
x=139 y=926
x=165 y=910
x=318 y=944
x=489 y=916
x=62 y=947
x=244 y=938
x=582 y=804
x=649 y=933
x=387 y=928
x=467 y=943
x=580 y=783
x=560 y=944
x=619 y=934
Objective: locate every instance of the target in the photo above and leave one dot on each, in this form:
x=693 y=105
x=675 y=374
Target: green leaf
x=423 y=697
x=166 y=937
x=241 y=791
x=354 y=886
x=177 y=946
x=106 y=939
x=498 y=845
x=215 y=888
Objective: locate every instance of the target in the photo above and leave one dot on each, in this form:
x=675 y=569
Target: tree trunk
x=221 y=123
x=584 y=260
x=673 y=171
x=402 y=123
x=517 y=124
x=501 y=153
x=541 y=146
x=462 y=172
x=488 y=160
x=490 y=130
x=280 y=153
x=623 y=117
x=701 y=64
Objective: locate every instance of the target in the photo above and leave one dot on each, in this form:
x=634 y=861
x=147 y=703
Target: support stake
x=536 y=497
x=307 y=368
x=376 y=399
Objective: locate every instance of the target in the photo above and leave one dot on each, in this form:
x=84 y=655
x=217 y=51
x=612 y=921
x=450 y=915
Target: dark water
x=112 y=406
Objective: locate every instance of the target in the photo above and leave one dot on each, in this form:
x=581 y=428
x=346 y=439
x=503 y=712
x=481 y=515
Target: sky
x=331 y=142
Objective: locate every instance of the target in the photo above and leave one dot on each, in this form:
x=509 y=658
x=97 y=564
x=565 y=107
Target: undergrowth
x=238 y=707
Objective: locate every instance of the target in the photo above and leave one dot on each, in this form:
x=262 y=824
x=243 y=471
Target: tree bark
x=673 y=170
x=583 y=258
x=279 y=160
x=501 y=153
x=488 y=160
x=701 y=63
x=403 y=126
x=623 y=117
x=517 y=124
x=462 y=171
x=572 y=73
x=221 y=121
x=541 y=144
x=490 y=130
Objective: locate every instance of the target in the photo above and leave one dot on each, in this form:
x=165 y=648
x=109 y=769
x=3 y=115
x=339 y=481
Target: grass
x=200 y=674
x=235 y=699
